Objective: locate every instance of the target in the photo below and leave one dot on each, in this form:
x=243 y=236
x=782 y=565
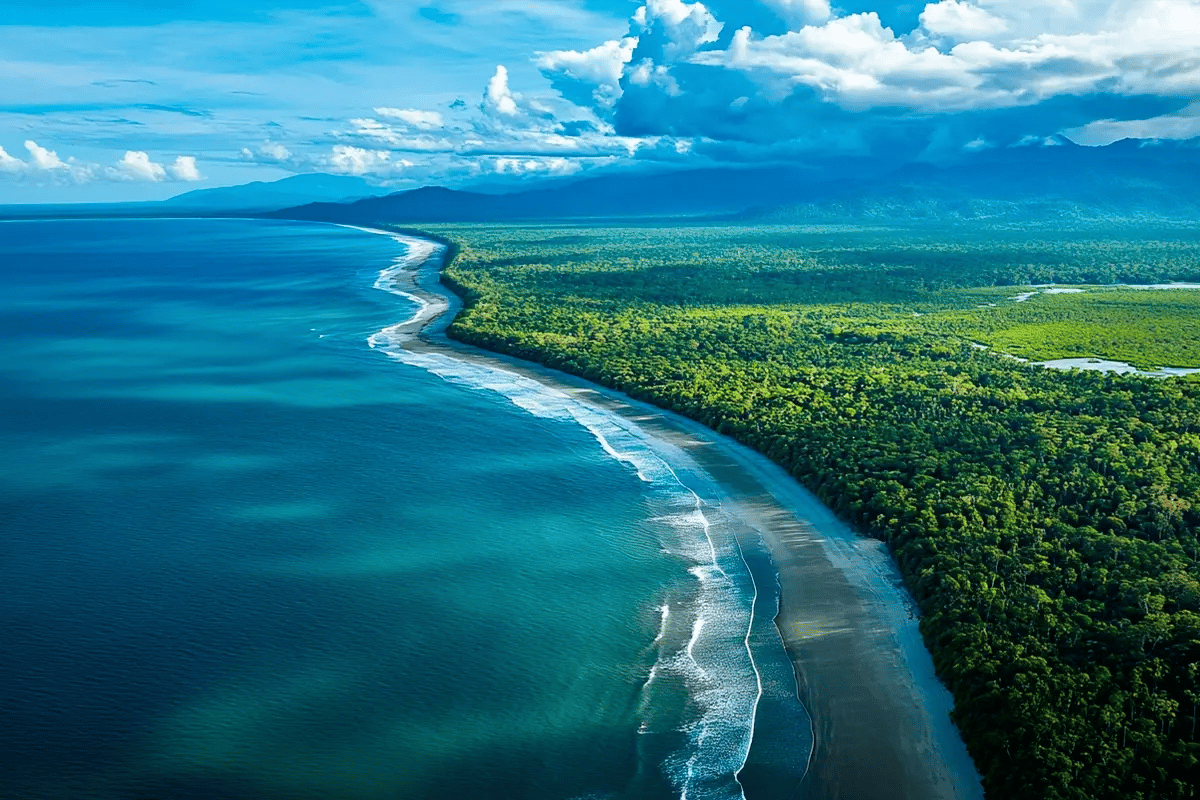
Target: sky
x=116 y=100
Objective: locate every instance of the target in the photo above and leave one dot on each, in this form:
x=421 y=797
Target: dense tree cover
x=1047 y=523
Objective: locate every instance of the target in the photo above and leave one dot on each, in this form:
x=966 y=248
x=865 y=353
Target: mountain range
x=1054 y=179
x=246 y=199
x=267 y=196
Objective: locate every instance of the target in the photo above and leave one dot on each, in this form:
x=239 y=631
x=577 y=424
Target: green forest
x=1047 y=522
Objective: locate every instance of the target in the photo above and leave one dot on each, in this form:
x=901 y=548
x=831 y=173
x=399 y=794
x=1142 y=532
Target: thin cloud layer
x=413 y=118
x=347 y=160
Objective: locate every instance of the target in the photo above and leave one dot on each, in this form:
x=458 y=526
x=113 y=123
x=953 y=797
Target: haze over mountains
x=250 y=198
x=264 y=196
x=1054 y=179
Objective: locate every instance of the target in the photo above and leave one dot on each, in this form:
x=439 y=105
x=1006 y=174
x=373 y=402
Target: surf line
x=420 y=254
x=699 y=623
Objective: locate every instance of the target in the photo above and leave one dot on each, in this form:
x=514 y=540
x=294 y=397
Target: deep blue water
x=246 y=555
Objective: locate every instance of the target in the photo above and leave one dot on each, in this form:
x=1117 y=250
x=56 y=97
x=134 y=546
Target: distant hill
x=682 y=193
x=1128 y=180
x=268 y=196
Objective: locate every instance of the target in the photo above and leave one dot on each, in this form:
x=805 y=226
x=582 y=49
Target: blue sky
x=131 y=99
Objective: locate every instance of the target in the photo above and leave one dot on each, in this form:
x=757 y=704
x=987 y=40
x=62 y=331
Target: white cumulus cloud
x=269 y=153
x=595 y=73
x=857 y=63
x=42 y=158
x=727 y=71
x=348 y=160
x=45 y=165
x=960 y=20
x=137 y=166
x=184 y=169
x=735 y=81
x=684 y=26
x=10 y=163
x=497 y=97
x=275 y=150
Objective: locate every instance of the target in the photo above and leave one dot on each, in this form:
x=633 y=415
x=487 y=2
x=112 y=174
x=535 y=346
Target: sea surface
x=250 y=549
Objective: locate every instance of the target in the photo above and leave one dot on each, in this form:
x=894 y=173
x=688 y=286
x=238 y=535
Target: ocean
x=250 y=548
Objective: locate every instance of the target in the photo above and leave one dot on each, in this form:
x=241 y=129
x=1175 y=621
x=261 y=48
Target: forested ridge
x=1047 y=523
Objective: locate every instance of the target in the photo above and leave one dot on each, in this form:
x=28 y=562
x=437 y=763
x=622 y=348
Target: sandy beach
x=880 y=716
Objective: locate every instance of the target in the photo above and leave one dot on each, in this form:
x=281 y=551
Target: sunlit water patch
x=1119 y=367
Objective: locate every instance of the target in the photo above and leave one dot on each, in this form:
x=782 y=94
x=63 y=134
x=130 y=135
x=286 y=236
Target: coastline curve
x=878 y=715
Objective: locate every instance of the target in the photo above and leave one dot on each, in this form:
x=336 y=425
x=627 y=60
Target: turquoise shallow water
x=246 y=555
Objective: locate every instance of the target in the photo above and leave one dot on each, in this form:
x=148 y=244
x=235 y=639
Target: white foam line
x=664 y=612
x=757 y=674
x=697 y=627
x=746 y=640
x=516 y=389
x=612 y=451
x=416 y=252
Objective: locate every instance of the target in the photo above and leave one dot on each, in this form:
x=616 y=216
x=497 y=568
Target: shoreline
x=880 y=717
